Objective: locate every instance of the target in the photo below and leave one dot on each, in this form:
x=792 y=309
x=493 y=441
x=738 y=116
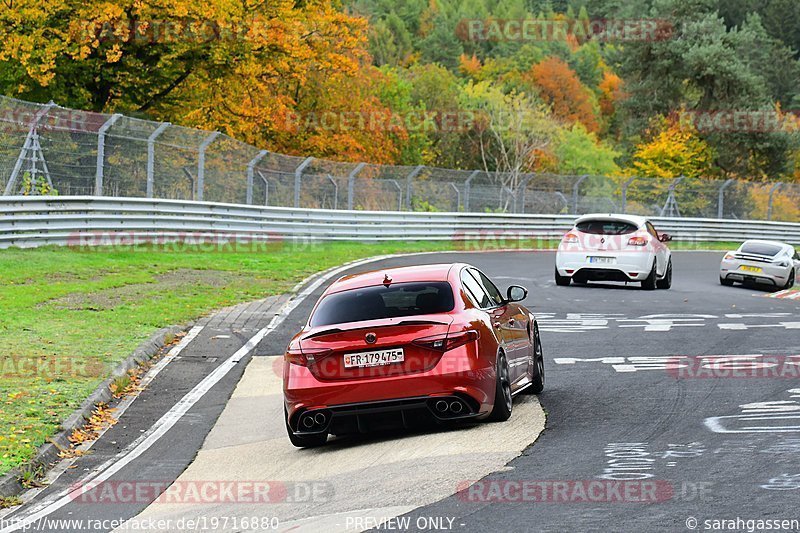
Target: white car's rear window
x=606 y=227
x=758 y=248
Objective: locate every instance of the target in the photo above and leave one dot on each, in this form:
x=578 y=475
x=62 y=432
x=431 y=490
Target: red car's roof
x=438 y=272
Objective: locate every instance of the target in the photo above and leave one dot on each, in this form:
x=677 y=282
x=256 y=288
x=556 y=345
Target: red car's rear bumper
x=459 y=375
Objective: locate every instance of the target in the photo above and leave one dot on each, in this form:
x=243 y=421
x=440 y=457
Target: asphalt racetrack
x=667 y=410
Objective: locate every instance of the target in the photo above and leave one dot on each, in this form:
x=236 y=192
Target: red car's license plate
x=378 y=358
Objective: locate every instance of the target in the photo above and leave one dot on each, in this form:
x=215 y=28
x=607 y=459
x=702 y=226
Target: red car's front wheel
x=537 y=379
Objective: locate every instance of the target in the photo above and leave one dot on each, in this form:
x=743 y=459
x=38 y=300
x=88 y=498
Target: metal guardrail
x=86 y=220
x=46 y=148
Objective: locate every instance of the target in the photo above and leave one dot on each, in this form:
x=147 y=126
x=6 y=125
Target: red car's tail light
x=305 y=357
x=637 y=241
x=448 y=341
x=570 y=238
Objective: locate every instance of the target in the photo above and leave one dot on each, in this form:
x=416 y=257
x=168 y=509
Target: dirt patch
x=106 y=299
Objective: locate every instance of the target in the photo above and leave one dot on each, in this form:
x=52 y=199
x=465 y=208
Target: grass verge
x=67 y=316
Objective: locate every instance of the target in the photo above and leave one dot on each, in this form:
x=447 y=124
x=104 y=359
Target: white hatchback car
x=614 y=248
x=770 y=263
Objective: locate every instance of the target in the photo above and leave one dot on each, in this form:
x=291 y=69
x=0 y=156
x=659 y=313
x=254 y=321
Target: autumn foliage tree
x=611 y=93
x=560 y=87
x=673 y=150
x=136 y=55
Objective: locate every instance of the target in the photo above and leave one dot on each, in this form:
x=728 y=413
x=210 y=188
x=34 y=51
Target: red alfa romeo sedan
x=405 y=346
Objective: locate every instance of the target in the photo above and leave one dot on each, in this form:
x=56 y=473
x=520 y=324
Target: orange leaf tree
x=560 y=87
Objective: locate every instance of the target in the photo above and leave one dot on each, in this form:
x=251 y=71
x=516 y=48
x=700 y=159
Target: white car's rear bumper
x=612 y=266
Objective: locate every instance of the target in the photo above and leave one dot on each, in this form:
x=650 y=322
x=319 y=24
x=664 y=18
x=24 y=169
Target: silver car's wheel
x=790 y=281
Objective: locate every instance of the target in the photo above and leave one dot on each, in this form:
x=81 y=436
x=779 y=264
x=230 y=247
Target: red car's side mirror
x=516 y=293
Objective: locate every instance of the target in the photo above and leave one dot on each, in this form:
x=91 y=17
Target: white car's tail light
x=570 y=238
x=637 y=241
x=729 y=257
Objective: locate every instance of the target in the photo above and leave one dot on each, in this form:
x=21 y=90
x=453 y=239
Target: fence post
x=771 y=198
x=251 y=174
x=399 y=194
x=201 y=165
x=671 y=207
x=351 y=184
x=625 y=194
x=458 y=195
x=151 y=156
x=101 y=153
x=721 y=201
x=266 y=188
x=34 y=124
x=468 y=188
x=575 y=189
x=335 y=191
x=524 y=187
x=298 y=176
x=411 y=175
x=509 y=191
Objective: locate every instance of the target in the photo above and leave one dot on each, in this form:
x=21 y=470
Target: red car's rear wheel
x=503 y=402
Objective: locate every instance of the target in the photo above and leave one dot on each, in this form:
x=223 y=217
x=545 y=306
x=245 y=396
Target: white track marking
x=580 y=322
x=123 y=406
x=171 y=417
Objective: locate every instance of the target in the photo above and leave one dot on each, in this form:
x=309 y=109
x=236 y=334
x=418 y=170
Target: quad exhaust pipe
x=449 y=407
x=314 y=421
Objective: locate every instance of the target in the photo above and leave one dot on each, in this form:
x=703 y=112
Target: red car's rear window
x=396 y=300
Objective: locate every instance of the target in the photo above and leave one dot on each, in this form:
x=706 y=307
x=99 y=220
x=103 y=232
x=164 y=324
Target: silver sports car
x=764 y=262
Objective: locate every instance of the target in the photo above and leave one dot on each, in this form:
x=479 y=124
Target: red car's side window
x=475 y=291
x=489 y=287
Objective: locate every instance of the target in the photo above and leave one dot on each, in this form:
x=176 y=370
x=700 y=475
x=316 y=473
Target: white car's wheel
x=666 y=281
x=561 y=281
x=649 y=283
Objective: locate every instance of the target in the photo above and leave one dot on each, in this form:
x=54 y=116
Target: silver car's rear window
x=757 y=248
x=606 y=227
x=372 y=303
